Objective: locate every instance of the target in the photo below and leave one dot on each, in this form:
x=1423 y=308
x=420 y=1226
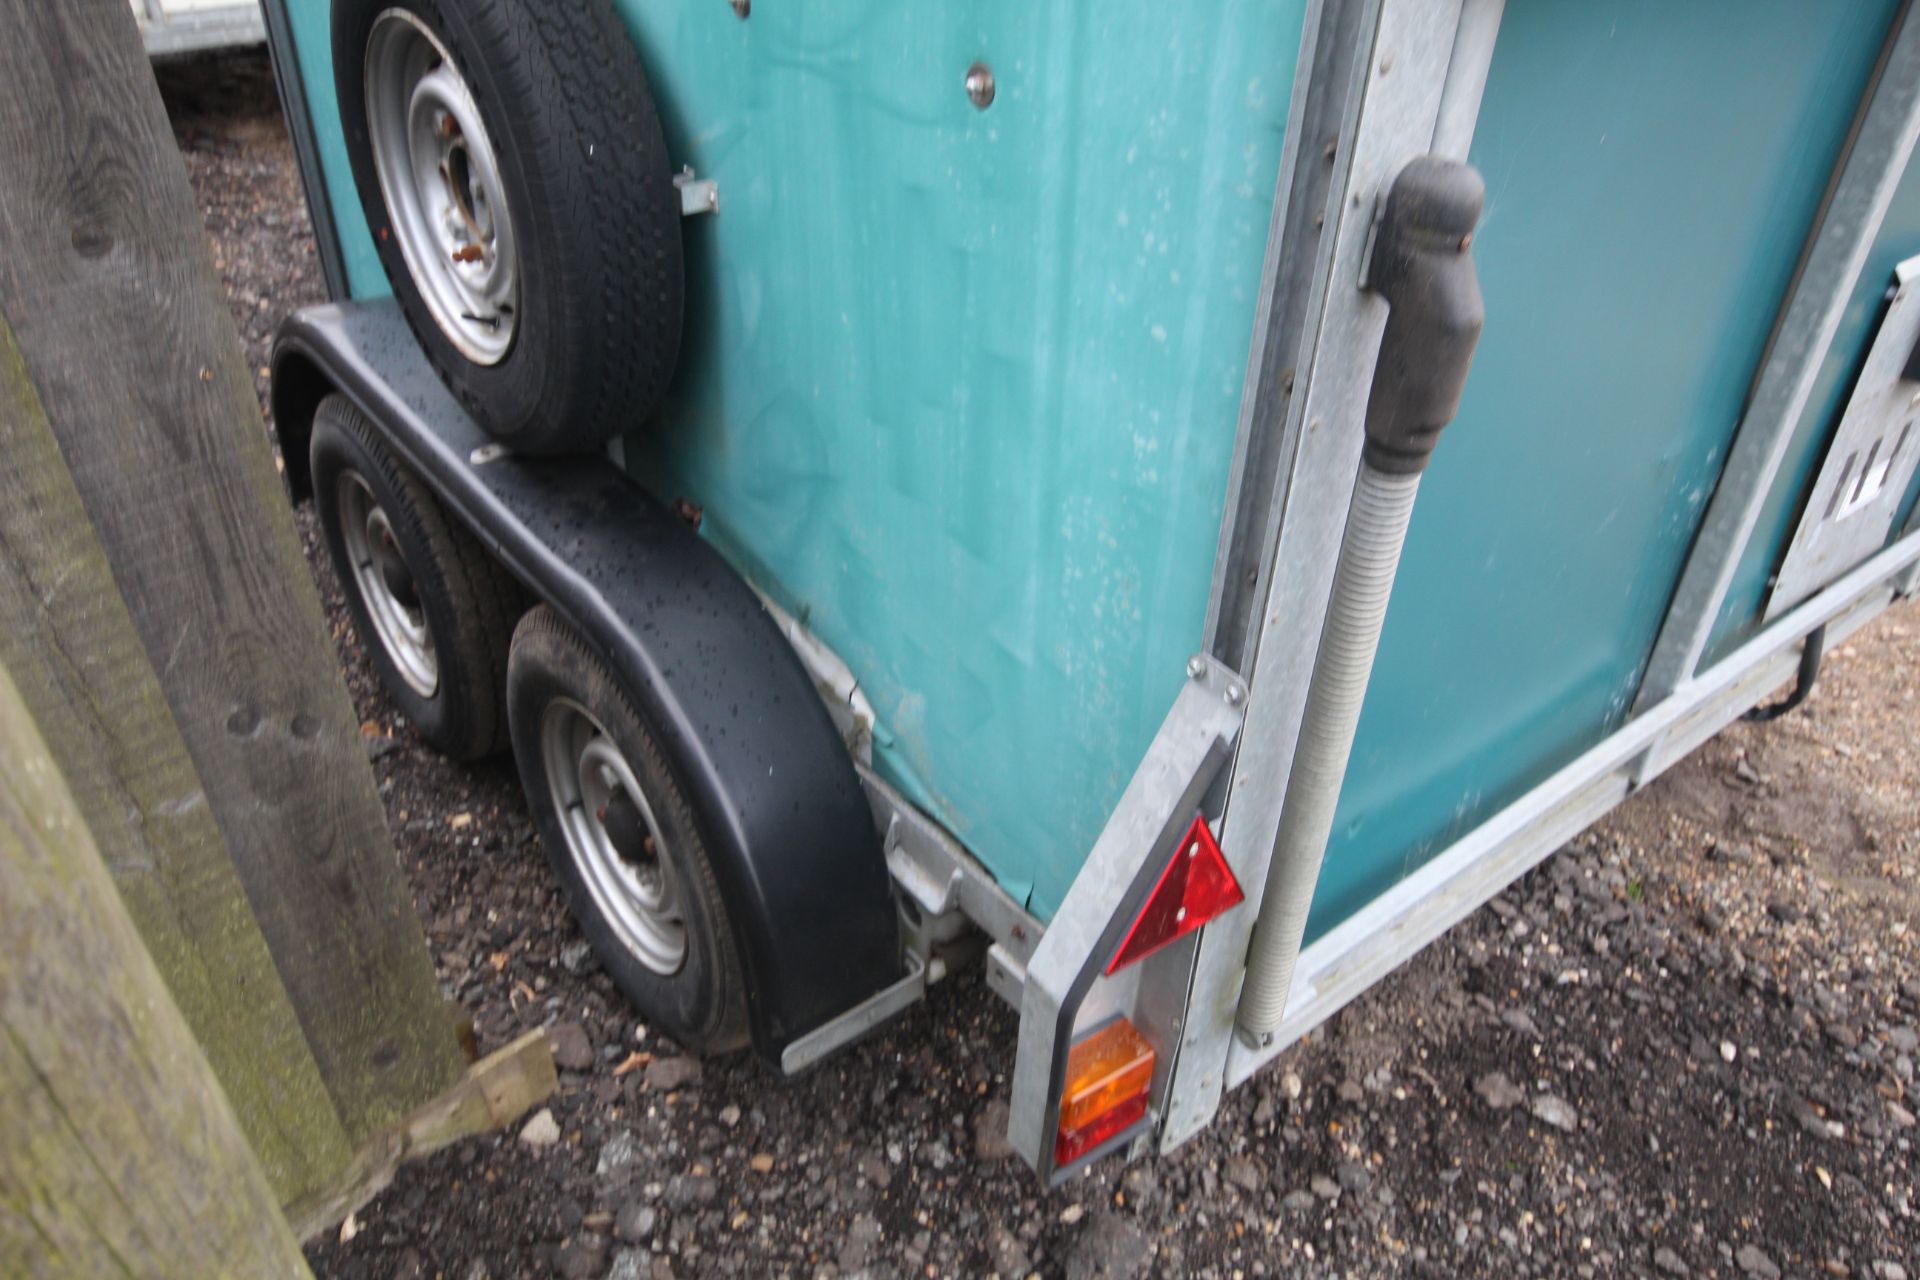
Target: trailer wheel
x=623 y=838
x=435 y=610
x=514 y=175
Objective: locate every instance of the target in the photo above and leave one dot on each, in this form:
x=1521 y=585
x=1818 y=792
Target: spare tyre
x=515 y=178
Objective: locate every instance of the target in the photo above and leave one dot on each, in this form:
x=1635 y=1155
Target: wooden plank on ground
x=120 y=1156
x=108 y=286
x=78 y=662
x=495 y=1092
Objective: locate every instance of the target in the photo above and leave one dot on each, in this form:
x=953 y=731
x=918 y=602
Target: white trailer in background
x=186 y=26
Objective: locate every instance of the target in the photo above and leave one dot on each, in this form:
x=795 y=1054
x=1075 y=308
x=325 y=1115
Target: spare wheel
x=515 y=178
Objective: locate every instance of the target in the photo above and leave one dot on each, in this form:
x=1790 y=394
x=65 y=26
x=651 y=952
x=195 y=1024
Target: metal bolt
x=980 y=85
x=1196 y=666
x=1235 y=695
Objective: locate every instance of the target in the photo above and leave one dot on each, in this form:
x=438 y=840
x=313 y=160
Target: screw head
x=1196 y=666
x=980 y=85
x=1235 y=695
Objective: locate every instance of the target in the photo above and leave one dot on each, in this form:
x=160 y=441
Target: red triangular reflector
x=1195 y=886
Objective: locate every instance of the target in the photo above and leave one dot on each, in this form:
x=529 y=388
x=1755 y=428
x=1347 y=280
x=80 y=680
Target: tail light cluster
x=1109 y=1072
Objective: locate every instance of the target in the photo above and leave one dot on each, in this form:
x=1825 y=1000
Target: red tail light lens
x=1196 y=886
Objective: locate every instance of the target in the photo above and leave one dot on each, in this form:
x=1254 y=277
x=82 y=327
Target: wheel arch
x=785 y=817
x=297 y=387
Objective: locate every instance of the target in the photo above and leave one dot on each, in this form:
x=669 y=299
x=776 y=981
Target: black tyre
x=435 y=611
x=514 y=175
x=623 y=838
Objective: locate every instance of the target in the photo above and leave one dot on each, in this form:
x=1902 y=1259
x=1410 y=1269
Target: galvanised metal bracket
x=697 y=195
x=1187 y=756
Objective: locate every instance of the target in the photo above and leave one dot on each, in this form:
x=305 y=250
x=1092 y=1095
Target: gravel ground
x=1684 y=1046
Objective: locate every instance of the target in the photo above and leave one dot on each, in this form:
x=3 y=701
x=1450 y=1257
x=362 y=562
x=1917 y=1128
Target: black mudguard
x=785 y=818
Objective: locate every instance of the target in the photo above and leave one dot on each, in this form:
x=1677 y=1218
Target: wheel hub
x=440 y=178
x=386 y=585
x=612 y=836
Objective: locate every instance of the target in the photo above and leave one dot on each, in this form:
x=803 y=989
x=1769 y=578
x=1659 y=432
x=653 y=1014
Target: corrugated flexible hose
x=1362 y=585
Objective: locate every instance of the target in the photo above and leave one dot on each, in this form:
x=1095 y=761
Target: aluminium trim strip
x=1387 y=932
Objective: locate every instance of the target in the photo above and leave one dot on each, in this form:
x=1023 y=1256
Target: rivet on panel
x=980 y=85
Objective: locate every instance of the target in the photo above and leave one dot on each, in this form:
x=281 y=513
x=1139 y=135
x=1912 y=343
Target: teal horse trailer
x=1176 y=504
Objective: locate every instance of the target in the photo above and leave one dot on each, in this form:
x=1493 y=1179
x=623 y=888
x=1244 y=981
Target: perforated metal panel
x=1870 y=463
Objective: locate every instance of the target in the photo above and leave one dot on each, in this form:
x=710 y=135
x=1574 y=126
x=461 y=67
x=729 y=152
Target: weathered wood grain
x=107 y=284
x=77 y=661
x=120 y=1156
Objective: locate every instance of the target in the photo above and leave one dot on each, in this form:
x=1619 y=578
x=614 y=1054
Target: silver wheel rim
x=628 y=872
x=441 y=182
x=386 y=585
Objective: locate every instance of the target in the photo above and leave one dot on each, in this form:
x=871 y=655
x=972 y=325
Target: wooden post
x=110 y=294
x=119 y=1155
x=76 y=659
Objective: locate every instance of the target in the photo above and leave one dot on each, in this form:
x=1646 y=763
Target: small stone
x=668 y=1074
x=1755 y=1262
x=1889 y=1270
x=1291 y=1086
x=1784 y=912
x=635 y=1221
x=572 y=1051
x=1727 y=1051
x=863 y=1237
x=1108 y=1248
x=581 y=1258
x=631 y=1264
x=762 y=1163
x=1142 y=1185
x=379 y=747
x=1812 y=1122
x=874 y=1169
x=729 y=1115
x=598 y=1220
x=1903 y=1039
x=542 y=1130
x=1669 y=1261
x=690 y=1191
x=1324 y=1187
x=1298 y=1200
x=1521 y=1021
x=1901 y=1117
x=1556 y=1111
x=577 y=958
x=1353 y=1175
x=1242 y=1173
x=1499 y=1092
x=1007 y=1255
x=990 y=1132
x=1072 y=1214
x=1350 y=1091
x=619 y=1151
